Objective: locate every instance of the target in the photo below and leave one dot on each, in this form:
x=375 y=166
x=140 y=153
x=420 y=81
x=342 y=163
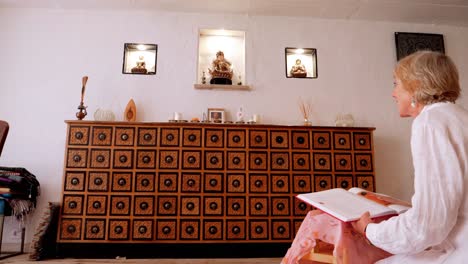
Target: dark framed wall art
x=407 y=43
x=140 y=58
x=301 y=62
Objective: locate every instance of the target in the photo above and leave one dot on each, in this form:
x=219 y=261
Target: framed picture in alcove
x=407 y=43
x=301 y=63
x=139 y=58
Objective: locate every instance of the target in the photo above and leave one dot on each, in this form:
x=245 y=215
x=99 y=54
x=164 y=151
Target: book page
x=345 y=205
x=382 y=199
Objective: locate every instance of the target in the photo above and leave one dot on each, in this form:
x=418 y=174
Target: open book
x=349 y=205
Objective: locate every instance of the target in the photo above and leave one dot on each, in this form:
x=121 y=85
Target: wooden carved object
x=130 y=111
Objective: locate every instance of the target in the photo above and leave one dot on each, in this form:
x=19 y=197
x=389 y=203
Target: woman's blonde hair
x=430 y=76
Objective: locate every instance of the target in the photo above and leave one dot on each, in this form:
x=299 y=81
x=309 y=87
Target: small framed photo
x=407 y=43
x=216 y=115
x=139 y=58
x=301 y=63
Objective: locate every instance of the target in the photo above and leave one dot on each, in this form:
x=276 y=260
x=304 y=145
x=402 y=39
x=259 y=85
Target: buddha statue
x=140 y=65
x=221 y=72
x=298 y=70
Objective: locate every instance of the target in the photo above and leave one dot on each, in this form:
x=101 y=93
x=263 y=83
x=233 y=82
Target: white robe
x=435 y=229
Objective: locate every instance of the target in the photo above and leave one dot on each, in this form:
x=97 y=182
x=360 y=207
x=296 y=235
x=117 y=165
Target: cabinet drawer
x=258 y=229
x=300 y=208
x=258 y=139
x=343 y=162
x=301 y=161
x=236 y=138
x=168 y=182
x=72 y=204
x=120 y=205
x=144 y=182
x=322 y=182
x=167 y=205
x=300 y=140
x=279 y=161
x=258 y=161
x=123 y=159
x=302 y=183
x=213 y=230
x=95 y=229
x=102 y=136
x=169 y=137
x=124 y=136
x=236 y=160
x=363 y=162
x=96 y=205
x=191 y=160
x=362 y=141
x=146 y=159
x=169 y=159
x=280 y=183
x=147 y=136
x=342 y=140
x=191 y=182
x=281 y=229
x=321 y=140
x=190 y=229
x=213 y=206
x=365 y=182
x=74 y=181
x=142 y=229
x=322 y=161
x=70 y=229
x=118 y=229
x=214 y=160
x=236 y=183
x=280 y=206
x=166 y=229
x=279 y=139
x=213 y=182
x=191 y=137
x=189 y=206
x=98 y=182
x=77 y=158
x=344 y=181
x=236 y=229
x=121 y=182
x=214 y=138
x=144 y=206
x=79 y=135
x=100 y=158
x=235 y=206
x=258 y=183
x=258 y=206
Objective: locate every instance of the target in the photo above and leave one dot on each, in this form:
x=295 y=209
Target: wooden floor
x=24 y=259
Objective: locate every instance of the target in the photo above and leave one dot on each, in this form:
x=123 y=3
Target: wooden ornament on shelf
x=130 y=111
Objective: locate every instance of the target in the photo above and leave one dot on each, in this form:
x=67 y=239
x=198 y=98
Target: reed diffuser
x=306 y=110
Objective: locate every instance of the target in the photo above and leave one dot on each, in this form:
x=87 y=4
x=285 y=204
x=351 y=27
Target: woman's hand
x=361 y=224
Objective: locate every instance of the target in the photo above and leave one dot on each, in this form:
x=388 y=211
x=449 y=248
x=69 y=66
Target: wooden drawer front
x=213 y=205
x=281 y=229
x=297 y=225
x=121 y=182
x=280 y=206
x=100 y=158
x=70 y=229
x=236 y=160
x=213 y=230
x=147 y=136
x=142 y=230
x=95 y=229
x=363 y=162
x=166 y=229
x=258 y=139
x=258 y=160
x=144 y=206
x=214 y=138
x=213 y=182
x=167 y=205
x=146 y=159
x=214 y=160
x=258 y=183
x=302 y=183
x=279 y=139
x=236 y=183
x=191 y=182
x=98 y=182
x=102 y=136
x=77 y=158
x=169 y=159
x=280 y=183
x=322 y=182
x=72 y=205
x=362 y=141
x=300 y=208
x=321 y=140
x=258 y=229
x=191 y=137
x=144 y=182
x=74 y=181
x=118 y=229
x=235 y=230
x=124 y=136
x=279 y=161
x=168 y=182
x=258 y=206
x=235 y=206
x=96 y=205
x=301 y=161
x=189 y=206
x=123 y=159
x=190 y=229
x=120 y=205
x=300 y=140
x=365 y=182
x=79 y=135
x=343 y=162
x=236 y=138
x=191 y=160
x=322 y=161
x=342 y=140
x=169 y=137
x=344 y=181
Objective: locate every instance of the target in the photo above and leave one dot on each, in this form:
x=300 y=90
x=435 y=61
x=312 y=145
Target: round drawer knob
x=213 y=230
x=121 y=182
x=144 y=205
x=100 y=158
x=167 y=205
x=72 y=205
x=75 y=181
x=79 y=135
x=124 y=137
x=213 y=182
x=123 y=158
x=98 y=181
x=258 y=183
x=213 y=206
x=76 y=158
x=170 y=137
x=191 y=159
x=97 y=205
x=190 y=206
x=169 y=159
x=142 y=230
x=214 y=160
x=258 y=230
x=321 y=140
x=95 y=229
x=145 y=182
x=166 y=230
x=344 y=184
x=342 y=141
x=71 y=229
x=302 y=184
x=147 y=137
x=258 y=139
x=236 y=230
x=168 y=183
x=302 y=206
x=280 y=206
x=280 y=161
x=236 y=160
x=343 y=162
x=102 y=136
x=236 y=183
x=236 y=139
x=280 y=183
x=363 y=163
x=236 y=206
x=120 y=205
x=258 y=206
x=146 y=159
x=191 y=183
x=323 y=184
x=214 y=138
x=281 y=229
x=192 y=137
x=300 y=140
x=279 y=139
x=362 y=141
x=301 y=162
x=258 y=161
x=365 y=184
x=322 y=161
x=118 y=229
x=189 y=230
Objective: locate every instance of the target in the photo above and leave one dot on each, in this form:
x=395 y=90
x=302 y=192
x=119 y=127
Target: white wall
x=44 y=54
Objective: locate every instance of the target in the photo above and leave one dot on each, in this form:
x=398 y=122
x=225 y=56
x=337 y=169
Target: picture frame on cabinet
x=407 y=43
x=301 y=63
x=216 y=115
x=140 y=58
